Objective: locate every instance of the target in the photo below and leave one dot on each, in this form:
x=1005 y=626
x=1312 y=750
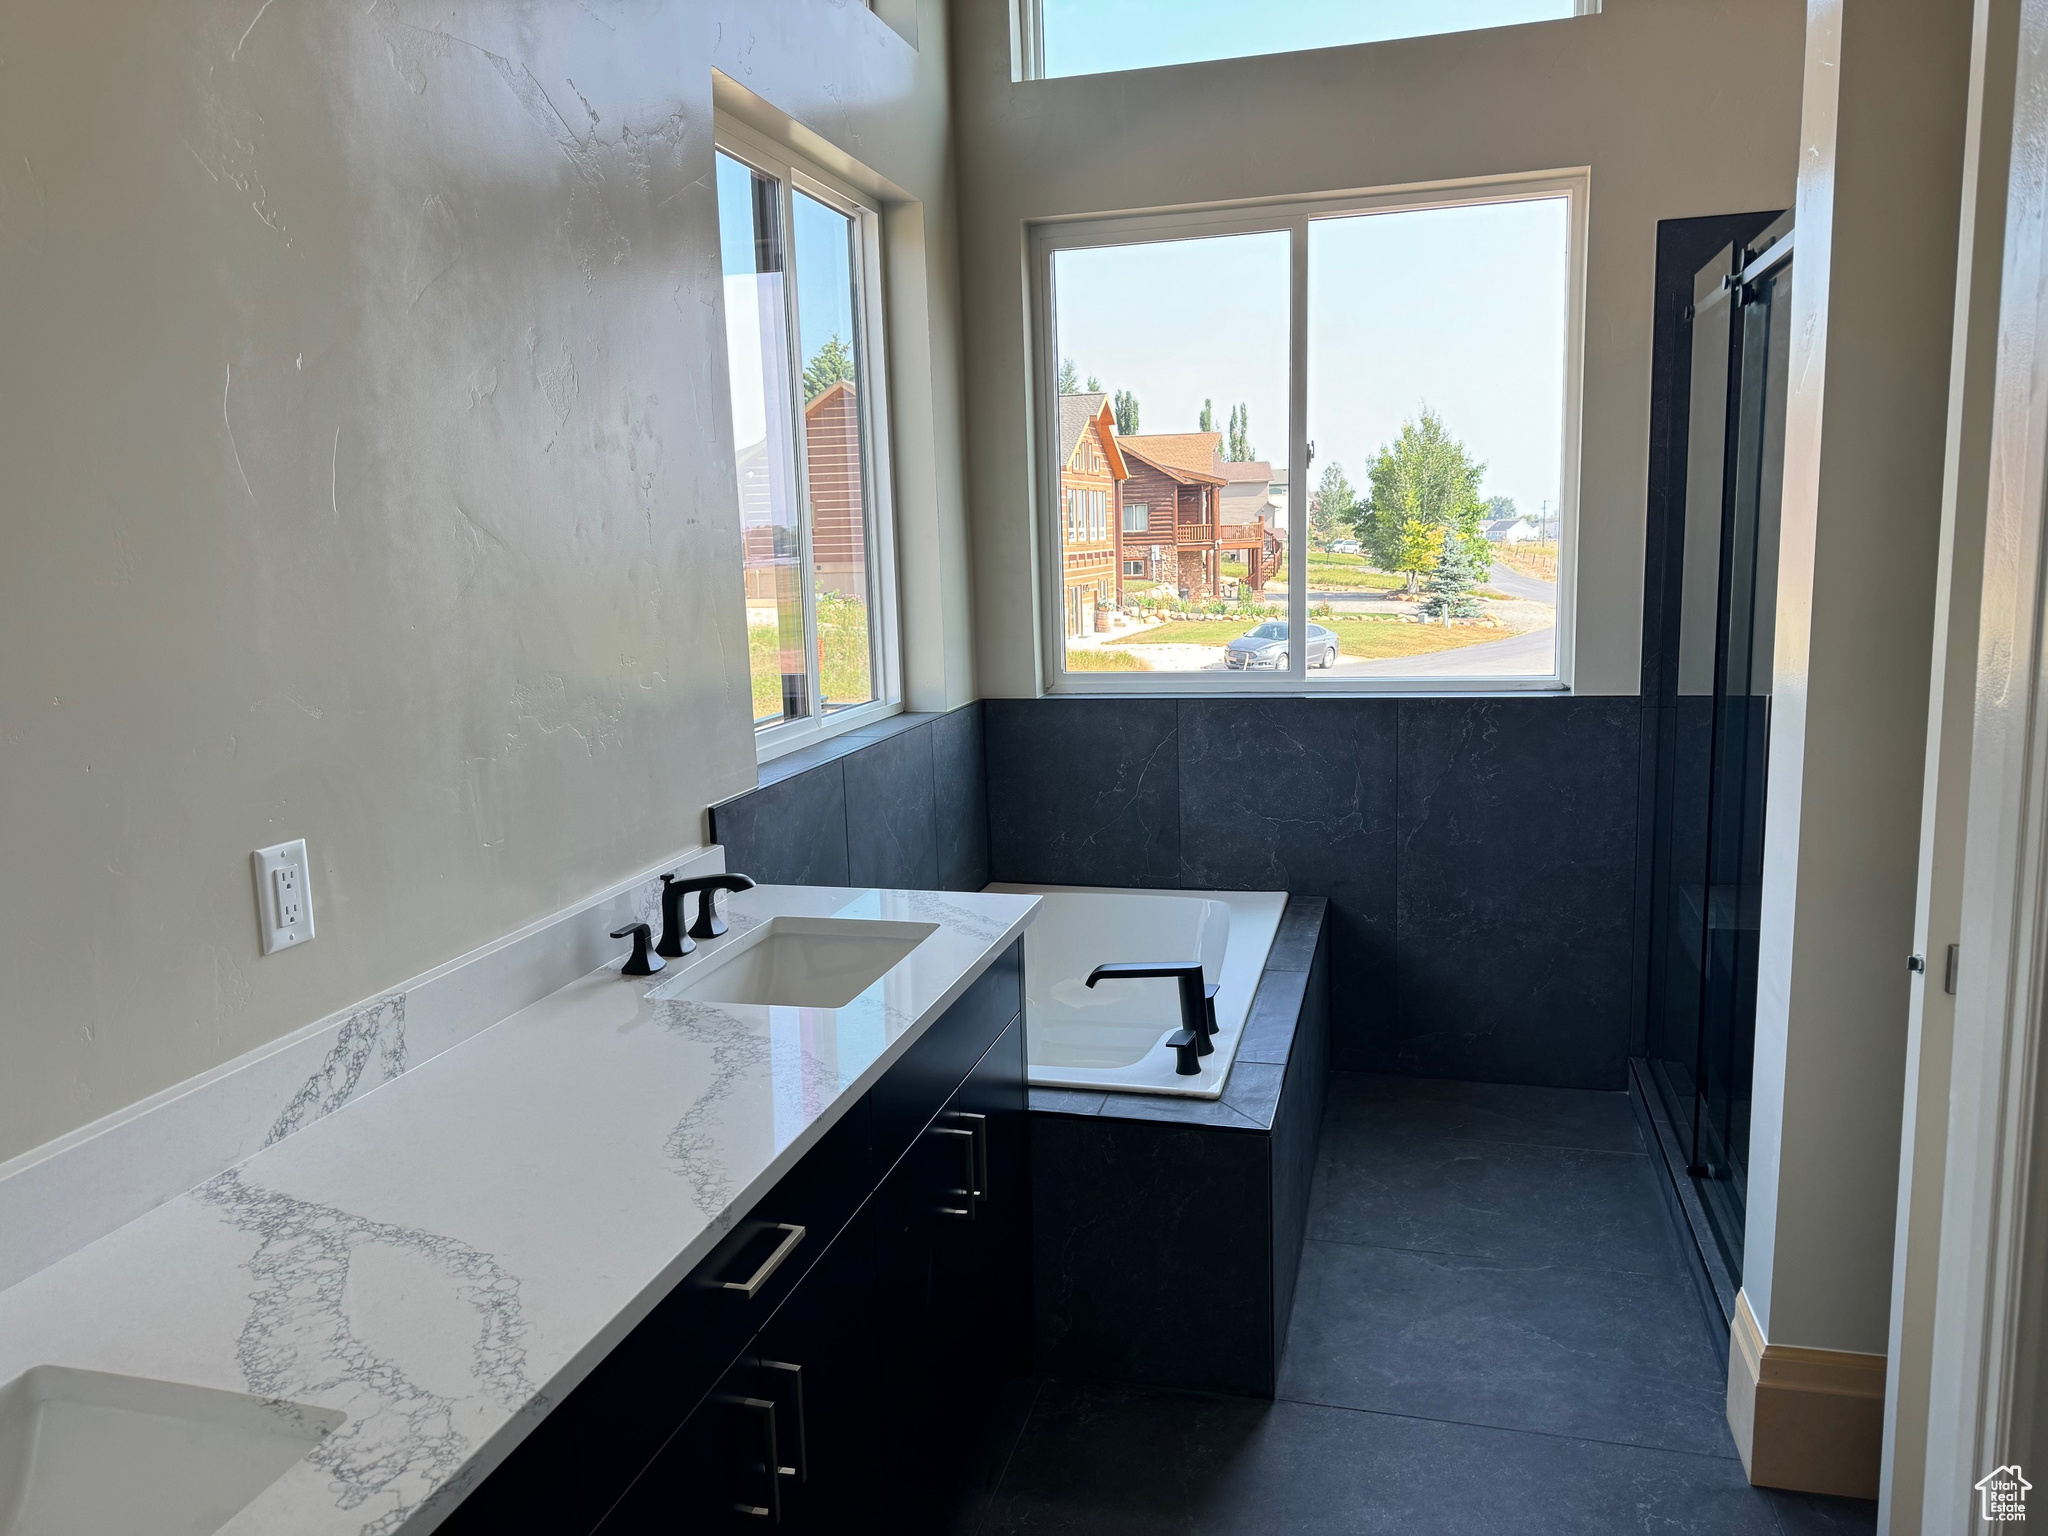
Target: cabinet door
x=719 y=1474
x=954 y=1266
x=816 y=1362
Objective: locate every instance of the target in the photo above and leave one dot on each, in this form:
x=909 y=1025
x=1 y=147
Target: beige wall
x=1680 y=109
x=1873 y=309
x=365 y=475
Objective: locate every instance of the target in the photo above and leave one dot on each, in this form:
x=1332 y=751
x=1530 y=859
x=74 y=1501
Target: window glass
x=764 y=438
x=798 y=348
x=1172 y=416
x=835 y=475
x=1085 y=37
x=1433 y=521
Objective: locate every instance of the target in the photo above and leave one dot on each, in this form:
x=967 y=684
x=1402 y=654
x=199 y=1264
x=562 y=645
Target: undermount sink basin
x=85 y=1453
x=800 y=962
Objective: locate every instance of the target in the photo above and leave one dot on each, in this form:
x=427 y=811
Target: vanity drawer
x=913 y=1090
x=631 y=1403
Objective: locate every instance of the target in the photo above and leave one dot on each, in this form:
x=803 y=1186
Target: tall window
x=798 y=257
x=1342 y=433
x=1087 y=37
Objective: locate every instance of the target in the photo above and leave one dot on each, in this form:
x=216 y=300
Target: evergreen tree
x=1126 y=408
x=1421 y=483
x=1331 y=507
x=828 y=365
x=1070 y=381
x=1094 y=385
x=1452 y=578
x=1207 y=421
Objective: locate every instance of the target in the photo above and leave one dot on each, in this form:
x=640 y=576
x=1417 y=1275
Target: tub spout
x=1197 y=1001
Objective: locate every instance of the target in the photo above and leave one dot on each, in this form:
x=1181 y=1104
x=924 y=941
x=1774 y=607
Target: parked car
x=1265 y=648
x=1345 y=547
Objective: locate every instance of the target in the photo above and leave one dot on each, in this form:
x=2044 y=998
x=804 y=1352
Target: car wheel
x=1329 y=658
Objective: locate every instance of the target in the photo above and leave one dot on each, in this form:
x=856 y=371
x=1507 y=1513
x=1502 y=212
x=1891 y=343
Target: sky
x=1089 y=36
x=824 y=279
x=1461 y=308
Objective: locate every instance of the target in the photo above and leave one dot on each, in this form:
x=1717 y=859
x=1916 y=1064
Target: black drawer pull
x=978 y=1124
x=966 y=1192
x=771 y=1464
x=795 y=1374
x=751 y=1286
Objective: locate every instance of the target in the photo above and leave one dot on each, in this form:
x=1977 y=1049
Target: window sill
x=868 y=722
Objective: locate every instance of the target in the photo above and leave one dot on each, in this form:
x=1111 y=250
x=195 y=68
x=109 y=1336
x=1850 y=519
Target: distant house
x=1091 y=468
x=768 y=501
x=1510 y=530
x=1169 y=530
x=1253 y=520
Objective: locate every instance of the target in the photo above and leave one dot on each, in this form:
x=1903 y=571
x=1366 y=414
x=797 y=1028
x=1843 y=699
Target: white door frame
x=1988 y=1307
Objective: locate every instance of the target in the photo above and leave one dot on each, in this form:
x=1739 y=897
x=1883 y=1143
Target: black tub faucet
x=1197 y=1006
x=673 y=940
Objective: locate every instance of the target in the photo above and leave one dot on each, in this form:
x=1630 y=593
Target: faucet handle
x=707 y=925
x=1186 y=1045
x=638 y=963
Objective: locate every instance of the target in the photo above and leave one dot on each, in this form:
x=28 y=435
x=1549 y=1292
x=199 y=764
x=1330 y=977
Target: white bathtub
x=1114 y=1036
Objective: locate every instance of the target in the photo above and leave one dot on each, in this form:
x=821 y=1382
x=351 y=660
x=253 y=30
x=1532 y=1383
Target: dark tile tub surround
x=900 y=804
x=1479 y=855
x=1167 y=1233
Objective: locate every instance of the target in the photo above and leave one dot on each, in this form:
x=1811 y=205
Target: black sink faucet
x=674 y=941
x=1197 y=1006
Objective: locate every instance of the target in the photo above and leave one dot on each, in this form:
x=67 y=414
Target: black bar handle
x=637 y=963
x=1186 y=1045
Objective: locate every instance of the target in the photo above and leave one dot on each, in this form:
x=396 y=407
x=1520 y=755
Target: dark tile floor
x=1493 y=1334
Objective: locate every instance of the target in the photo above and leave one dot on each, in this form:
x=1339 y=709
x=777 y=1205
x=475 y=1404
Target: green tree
x=1094 y=385
x=828 y=365
x=1126 y=408
x=1332 y=506
x=1448 y=591
x=1498 y=507
x=1239 y=449
x=1070 y=381
x=1427 y=479
x=1207 y=422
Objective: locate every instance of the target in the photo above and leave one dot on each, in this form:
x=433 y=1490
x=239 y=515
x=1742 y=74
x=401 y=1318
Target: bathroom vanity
x=742 y=1244
x=833 y=1355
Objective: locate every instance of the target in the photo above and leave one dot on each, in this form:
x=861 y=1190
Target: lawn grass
x=1345 y=573
x=1190 y=632
x=1106 y=661
x=1381 y=641
x=1364 y=639
x=843 y=656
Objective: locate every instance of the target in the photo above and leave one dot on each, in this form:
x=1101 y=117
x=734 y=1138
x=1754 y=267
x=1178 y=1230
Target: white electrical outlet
x=284 y=896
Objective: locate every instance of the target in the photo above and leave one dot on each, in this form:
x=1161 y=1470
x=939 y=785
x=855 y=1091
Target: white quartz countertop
x=443 y=1259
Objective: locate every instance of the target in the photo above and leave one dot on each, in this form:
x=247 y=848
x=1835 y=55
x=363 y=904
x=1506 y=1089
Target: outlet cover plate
x=284 y=896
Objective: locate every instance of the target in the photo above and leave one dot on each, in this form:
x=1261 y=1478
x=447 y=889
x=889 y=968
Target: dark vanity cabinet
x=828 y=1381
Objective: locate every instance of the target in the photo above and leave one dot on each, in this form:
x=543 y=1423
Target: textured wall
x=1679 y=107
x=365 y=475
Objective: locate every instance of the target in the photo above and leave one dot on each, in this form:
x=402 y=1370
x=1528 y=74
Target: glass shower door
x=1704 y=1024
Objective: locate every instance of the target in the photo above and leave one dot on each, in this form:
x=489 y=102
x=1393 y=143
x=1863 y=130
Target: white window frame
x=794 y=175
x=1294 y=215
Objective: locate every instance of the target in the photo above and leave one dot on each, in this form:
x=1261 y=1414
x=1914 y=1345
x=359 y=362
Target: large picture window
x=1334 y=443
x=1087 y=37
x=804 y=354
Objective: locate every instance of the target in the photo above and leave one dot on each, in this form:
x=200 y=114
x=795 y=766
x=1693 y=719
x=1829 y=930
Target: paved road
x=1505 y=578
